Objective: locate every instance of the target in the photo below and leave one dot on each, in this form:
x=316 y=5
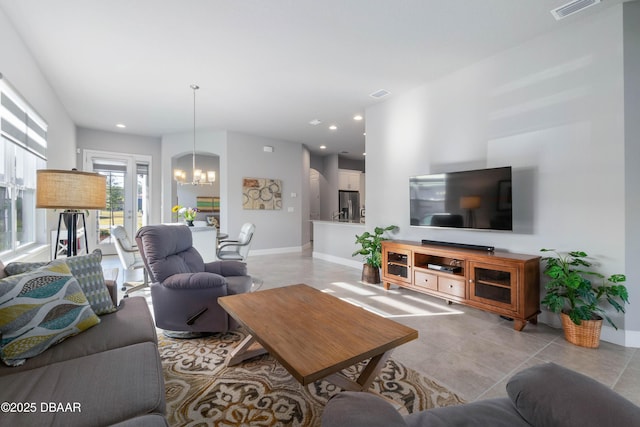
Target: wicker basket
x=586 y=334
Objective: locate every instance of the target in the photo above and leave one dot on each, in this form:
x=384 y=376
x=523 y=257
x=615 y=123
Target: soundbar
x=459 y=245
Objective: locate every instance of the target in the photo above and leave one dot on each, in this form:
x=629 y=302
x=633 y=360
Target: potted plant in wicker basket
x=371 y=248
x=571 y=292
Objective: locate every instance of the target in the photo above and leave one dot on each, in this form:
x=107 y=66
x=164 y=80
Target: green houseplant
x=571 y=291
x=371 y=249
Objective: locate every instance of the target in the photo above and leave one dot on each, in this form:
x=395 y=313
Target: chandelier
x=199 y=177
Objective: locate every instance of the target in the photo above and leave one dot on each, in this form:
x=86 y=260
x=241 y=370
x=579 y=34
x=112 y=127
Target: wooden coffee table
x=313 y=334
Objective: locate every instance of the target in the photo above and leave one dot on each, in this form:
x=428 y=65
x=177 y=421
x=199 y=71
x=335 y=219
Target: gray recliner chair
x=185 y=289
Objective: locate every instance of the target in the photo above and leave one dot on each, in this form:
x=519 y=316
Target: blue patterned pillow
x=39 y=309
x=87 y=269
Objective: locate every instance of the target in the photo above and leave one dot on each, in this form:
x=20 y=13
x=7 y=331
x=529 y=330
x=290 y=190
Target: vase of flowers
x=188 y=213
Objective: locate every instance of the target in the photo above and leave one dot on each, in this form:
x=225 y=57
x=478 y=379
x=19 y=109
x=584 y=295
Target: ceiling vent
x=380 y=94
x=572 y=7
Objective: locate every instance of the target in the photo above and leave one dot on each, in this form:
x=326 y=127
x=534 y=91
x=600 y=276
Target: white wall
x=276 y=230
x=632 y=171
x=552 y=108
x=329 y=202
x=242 y=156
x=305 y=198
x=23 y=73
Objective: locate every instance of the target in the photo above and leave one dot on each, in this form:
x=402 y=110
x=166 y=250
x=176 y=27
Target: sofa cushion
x=87 y=269
x=360 y=409
x=153 y=420
x=498 y=412
x=39 y=309
x=551 y=395
x=131 y=324
x=109 y=387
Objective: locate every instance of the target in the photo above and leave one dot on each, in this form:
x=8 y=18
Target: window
x=23 y=144
x=127 y=192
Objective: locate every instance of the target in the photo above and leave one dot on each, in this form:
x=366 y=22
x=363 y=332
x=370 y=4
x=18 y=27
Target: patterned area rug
x=201 y=391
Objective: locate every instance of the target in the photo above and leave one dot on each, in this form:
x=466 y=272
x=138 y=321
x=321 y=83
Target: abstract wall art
x=261 y=194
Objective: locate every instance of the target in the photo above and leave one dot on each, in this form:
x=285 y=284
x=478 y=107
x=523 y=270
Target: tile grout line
x=517 y=368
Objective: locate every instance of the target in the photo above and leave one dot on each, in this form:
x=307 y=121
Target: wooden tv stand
x=504 y=283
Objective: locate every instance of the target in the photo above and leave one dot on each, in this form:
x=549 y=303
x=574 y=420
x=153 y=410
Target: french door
x=128 y=189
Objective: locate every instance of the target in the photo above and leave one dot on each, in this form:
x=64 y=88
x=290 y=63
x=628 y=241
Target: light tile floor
x=470 y=351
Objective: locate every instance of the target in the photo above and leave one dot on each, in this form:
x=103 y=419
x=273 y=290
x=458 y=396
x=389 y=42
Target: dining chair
x=130 y=258
x=237 y=249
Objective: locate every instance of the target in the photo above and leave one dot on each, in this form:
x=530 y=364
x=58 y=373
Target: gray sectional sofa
x=108 y=374
x=544 y=395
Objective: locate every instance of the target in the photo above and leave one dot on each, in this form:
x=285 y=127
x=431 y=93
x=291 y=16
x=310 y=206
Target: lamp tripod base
x=70 y=218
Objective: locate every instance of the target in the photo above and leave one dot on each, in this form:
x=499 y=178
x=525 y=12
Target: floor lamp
x=75 y=192
x=470 y=204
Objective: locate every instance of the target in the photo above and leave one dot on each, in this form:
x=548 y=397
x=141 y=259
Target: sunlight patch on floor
x=373 y=310
x=353 y=288
x=437 y=306
x=413 y=310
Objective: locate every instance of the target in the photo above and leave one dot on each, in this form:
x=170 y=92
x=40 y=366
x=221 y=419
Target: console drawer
x=425 y=280
x=451 y=286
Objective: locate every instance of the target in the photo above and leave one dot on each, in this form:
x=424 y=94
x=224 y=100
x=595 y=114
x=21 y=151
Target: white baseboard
x=273 y=251
x=338 y=260
x=610 y=334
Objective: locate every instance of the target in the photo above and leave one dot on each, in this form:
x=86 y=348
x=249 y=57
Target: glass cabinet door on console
x=396 y=263
x=493 y=285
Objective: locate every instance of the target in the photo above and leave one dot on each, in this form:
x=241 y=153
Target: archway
x=187 y=195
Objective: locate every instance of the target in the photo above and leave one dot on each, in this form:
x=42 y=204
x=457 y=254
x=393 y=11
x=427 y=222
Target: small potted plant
x=371 y=249
x=571 y=293
x=189 y=214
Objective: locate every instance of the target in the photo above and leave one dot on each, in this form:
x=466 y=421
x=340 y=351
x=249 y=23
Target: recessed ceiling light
x=121 y=126
x=323 y=147
x=315 y=122
x=333 y=127
x=357 y=117
x=364 y=154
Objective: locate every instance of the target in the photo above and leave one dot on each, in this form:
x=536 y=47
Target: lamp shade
x=70 y=189
x=470 y=202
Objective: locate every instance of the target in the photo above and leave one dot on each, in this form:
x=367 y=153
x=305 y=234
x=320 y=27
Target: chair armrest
x=194 y=281
x=226 y=268
x=227 y=240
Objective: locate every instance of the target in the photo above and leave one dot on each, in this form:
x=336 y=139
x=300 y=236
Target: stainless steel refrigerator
x=349 y=205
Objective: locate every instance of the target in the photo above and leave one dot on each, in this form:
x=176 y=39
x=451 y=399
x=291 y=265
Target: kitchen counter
x=334 y=241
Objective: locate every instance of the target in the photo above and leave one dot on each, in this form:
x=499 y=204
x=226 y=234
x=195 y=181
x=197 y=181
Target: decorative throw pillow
x=39 y=309
x=87 y=270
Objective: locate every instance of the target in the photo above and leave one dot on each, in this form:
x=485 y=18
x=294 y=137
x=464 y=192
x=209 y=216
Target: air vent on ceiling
x=572 y=7
x=380 y=93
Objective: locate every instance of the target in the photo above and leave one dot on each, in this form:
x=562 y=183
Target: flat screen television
x=476 y=199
